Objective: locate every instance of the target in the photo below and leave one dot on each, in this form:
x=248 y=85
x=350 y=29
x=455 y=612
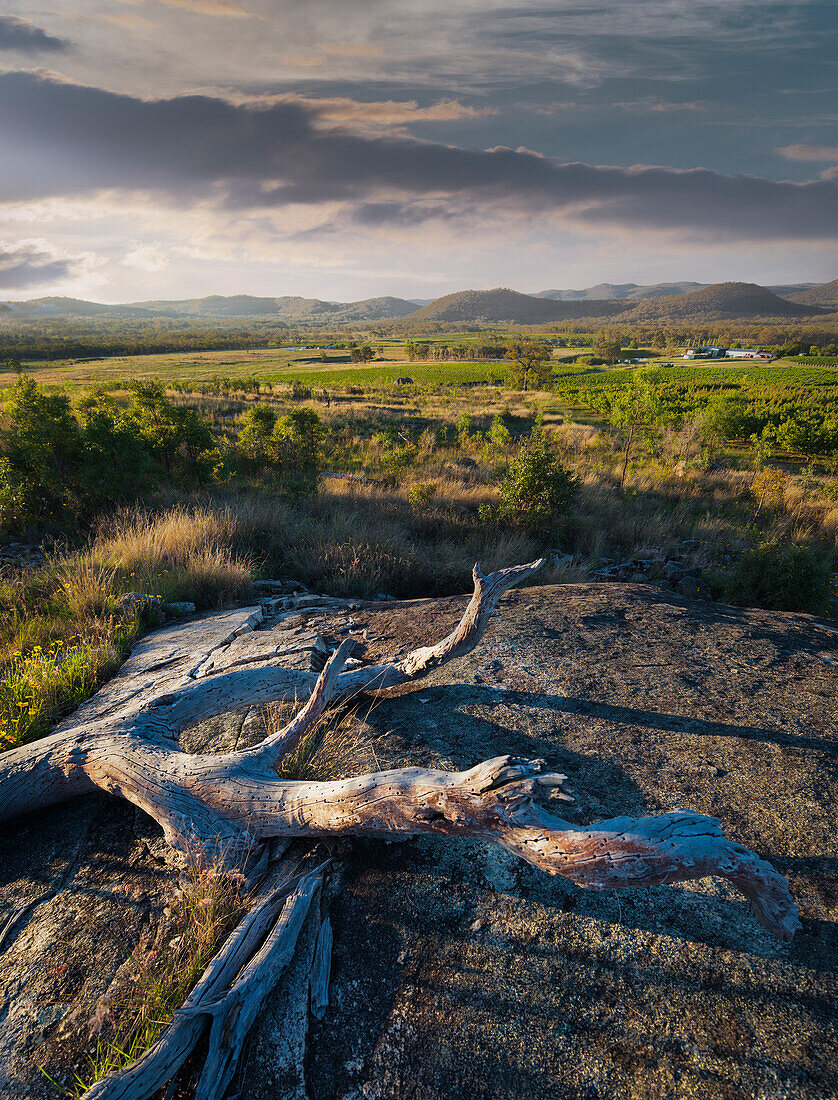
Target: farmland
x=188 y=474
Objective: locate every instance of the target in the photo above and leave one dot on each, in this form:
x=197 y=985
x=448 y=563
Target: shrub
x=537 y=489
x=176 y=437
x=768 y=487
x=422 y=493
x=44 y=452
x=499 y=435
x=782 y=577
x=400 y=457
x=254 y=438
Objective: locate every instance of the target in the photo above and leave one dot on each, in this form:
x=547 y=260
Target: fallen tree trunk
x=235 y=803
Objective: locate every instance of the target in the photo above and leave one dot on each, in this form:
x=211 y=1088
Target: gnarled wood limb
x=237 y=1012
x=321 y=970
x=235 y=803
x=286 y=740
x=469 y=631
x=236 y=799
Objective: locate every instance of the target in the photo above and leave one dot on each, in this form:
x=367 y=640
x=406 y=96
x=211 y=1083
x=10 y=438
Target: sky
x=345 y=149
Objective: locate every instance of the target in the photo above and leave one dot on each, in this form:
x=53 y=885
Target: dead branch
x=235 y=802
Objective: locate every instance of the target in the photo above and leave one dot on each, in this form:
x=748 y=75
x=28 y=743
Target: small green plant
x=782 y=577
x=400 y=457
x=422 y=493
x=499 y=435
x=40 y=686
x=537 y=490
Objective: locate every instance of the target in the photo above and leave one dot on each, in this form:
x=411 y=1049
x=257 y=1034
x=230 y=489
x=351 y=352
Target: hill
x=635 y=292
x=619 y=292
x=291 y=307
x=217 y=307
x=825 y=295
x=503 y=305
x=57 y=306
x=721 y=302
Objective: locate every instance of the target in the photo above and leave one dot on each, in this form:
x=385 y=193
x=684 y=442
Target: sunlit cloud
x=818 y=154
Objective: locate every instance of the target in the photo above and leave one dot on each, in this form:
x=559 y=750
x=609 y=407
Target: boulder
x=457 y=972
x=179 y=609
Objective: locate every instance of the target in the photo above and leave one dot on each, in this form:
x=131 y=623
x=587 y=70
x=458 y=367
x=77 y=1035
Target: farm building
x=725 y=353
x=705 y=353
x=746 y=353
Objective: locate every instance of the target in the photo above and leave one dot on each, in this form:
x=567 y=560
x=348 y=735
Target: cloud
x=25 y=37
x=127 y=21
x=225 y=9
x=326 y=53
x=822 y=154
x=73 y=140
x=382 y=114
x=659 y=105
x=147 y=257
x=31 y=264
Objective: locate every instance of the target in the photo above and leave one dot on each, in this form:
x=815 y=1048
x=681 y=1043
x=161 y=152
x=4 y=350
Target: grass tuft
x=334 y=748
x=202 y=910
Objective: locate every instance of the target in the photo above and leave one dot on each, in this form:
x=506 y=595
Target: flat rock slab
x=459 y=971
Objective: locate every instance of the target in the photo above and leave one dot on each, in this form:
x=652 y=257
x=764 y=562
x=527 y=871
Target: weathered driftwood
x=321 y=969
x=236 y=803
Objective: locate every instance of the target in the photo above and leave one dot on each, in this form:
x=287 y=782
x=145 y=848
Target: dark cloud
x=251 y=157
x=405 y=214
x=19 y=34
x=28 y=265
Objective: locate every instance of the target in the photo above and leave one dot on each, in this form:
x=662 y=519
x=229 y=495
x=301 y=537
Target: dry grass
x=181 y=554
x=338 y=746
x=62 y=631
x=202 y=910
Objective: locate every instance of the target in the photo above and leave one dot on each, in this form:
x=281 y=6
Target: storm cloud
x=28 y=265
x=249 y=157
x=25 y=37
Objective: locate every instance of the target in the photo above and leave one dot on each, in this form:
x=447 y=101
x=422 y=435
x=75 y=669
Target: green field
x=274 y=365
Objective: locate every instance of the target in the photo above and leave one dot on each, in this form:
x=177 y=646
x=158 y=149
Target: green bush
x=537 y=490
x=782 y=577
x=62 y=465
x=254 y=438
x=423 y=492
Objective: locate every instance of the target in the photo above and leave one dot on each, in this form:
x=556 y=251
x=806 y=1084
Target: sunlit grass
x=201 y=912
x=41 y=686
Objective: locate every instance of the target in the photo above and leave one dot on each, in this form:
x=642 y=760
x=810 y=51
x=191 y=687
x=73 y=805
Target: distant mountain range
x=635 y=293
x=717 y=302
x=721 y=302
x=627 y=301
x=218 y=307
x=824 y=295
